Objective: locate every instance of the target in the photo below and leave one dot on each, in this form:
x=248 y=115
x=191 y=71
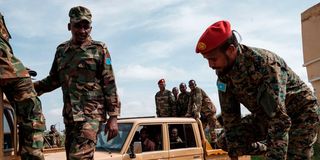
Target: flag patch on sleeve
x=221 y=86
x=108 y=61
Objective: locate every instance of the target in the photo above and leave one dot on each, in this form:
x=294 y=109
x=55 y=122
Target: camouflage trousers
x=81 y=139
x=31 y=122
x=296 y=145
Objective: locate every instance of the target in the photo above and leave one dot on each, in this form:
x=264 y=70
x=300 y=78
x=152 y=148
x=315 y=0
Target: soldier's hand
x=111 y=127
x=197 y=115
x=188 y=115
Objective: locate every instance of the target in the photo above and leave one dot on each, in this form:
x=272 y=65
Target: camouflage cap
x=79 y=13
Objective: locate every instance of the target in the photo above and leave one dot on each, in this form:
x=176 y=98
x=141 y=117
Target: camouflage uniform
x=16 y=83
x=89 y=90
x=201 y=104
x=165 y=106
x=257 y=147
x=182 y=104
x=282 y=106
x=54 y=138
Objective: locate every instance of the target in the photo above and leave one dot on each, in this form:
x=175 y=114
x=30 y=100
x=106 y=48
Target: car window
x=181 y=136
x=150 y=137
x=116 y=143
x=7 y=130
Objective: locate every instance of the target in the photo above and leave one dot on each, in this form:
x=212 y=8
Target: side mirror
x=137 y=147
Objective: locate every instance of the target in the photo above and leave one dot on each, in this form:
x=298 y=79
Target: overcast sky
x=152 y=39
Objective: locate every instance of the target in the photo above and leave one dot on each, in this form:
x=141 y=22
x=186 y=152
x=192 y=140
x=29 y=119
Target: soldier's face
x=175 y=91
x=183 y=88
x=192 y=85
x=143 y=135
x=217 y=60
x=174 y=133
x=221 y=61
x=80 y=31
x=162 y=86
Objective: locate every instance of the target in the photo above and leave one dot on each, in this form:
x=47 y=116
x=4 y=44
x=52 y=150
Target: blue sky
x=152 y=39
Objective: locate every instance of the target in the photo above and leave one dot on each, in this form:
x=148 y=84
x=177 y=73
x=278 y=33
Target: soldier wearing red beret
x=165 y=103
x=283 y=108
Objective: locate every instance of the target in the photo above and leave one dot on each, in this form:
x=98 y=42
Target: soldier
x=54 y=136
x=165 y=106
x=284 y=110
x=82 y=67
x=147 y=144
x=174 y=136
x=175 y=93
x=16 y=83
x=201 y=106
x=183 y=100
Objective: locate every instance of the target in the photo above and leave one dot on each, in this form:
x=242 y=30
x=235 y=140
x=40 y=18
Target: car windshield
x=116 y=143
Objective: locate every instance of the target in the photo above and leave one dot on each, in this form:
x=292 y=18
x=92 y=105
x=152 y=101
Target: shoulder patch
x=108 y=61
x=221 y=86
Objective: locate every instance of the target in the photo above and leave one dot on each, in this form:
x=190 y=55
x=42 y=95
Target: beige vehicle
x=130 y=143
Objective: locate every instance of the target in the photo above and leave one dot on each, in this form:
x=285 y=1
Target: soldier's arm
x=109 y=87
x=231 y=114
x=271 y=97
x=198 y=100
x=189 y=107
x=49 y=83
x=157 y=106
x=173 y=104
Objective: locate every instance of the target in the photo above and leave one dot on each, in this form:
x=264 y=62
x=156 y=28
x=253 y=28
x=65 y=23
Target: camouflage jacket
x=10 y=66
x=200 y=102
x=266 y=86
x=182 y=104
x=165 y=105
x=87 y=80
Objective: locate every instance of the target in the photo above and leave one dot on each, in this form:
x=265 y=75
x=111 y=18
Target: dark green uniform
x=283 y=107
x=201 y=104
x=182 y=104
x=165 y=106
x=16 y=83
x=89 y=93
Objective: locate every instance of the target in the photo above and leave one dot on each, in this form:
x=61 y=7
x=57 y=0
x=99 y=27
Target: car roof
x=157 y=120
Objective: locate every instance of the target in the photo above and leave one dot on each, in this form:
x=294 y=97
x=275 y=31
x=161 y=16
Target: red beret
x=161 y=81
x=214 y=36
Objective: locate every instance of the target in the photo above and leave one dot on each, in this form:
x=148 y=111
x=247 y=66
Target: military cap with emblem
x=80 y=13
x=214 y=36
